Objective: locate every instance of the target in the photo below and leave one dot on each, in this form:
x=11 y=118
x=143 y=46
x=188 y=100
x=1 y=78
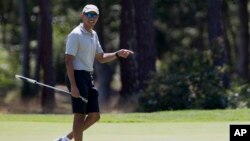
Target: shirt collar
x=83 y=29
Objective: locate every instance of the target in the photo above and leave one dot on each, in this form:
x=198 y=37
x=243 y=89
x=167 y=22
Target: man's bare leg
x=77 y=126
x=89 y=121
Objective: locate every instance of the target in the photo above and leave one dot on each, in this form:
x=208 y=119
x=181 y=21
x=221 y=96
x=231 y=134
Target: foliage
x=8 y=68
x=239 y=96
x=188 y=82
x=179 y=24
x=186 y=78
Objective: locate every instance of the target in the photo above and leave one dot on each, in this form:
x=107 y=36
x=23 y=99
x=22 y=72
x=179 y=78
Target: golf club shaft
x=45 y=85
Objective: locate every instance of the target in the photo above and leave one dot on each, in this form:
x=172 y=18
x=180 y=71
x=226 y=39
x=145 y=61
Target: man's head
x=90 y=14
x=90 y=8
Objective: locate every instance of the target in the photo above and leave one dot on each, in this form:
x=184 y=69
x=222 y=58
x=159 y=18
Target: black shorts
x=85 y=85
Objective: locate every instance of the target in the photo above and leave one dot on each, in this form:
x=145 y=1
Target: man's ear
x=81 y=16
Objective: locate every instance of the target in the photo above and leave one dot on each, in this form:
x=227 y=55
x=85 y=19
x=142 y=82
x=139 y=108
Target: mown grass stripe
x=166 y=116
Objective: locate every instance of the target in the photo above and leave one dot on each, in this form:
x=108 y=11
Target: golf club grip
x=84 y=99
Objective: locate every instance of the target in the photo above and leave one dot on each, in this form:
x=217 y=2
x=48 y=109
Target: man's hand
x=124 y=53
x=74 y=91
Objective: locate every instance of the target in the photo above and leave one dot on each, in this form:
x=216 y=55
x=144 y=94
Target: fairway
x=42 y=131
x=190 y=125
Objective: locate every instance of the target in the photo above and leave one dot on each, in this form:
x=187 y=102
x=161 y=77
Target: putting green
x=181 y=131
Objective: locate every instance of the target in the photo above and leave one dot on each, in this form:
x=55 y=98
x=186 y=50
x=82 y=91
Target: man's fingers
x=130 y=52
x=125 y=53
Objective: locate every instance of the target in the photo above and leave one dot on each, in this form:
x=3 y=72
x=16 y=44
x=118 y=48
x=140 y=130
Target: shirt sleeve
x=72 y=44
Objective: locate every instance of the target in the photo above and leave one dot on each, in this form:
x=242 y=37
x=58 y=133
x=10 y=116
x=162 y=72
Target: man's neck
x=89 y=29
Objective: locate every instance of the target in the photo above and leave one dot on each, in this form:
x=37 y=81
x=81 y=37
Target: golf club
x=44 y=85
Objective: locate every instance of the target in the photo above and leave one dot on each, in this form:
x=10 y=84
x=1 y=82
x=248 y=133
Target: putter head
x=17 y=76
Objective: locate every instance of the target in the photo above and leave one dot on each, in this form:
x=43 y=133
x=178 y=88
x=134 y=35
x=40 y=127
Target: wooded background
x=189 y=54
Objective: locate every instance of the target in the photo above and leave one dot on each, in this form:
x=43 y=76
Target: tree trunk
x=36 y=88
x=129 y=66
x=217 y=38
x=146 y=50
x=26 y=90
x=137 y=34
x=243 y=41
x=48 y=98
x=38 y=56
x=226 y=24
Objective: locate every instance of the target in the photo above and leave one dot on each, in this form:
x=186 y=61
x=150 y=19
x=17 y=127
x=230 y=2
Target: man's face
x=89 y=19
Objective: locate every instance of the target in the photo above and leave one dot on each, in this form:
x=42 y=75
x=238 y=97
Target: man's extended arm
x=108 y=57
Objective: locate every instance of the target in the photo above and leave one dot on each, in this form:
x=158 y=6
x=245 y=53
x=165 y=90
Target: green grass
x=166 y=116
x=182 y=131
x=188 y=125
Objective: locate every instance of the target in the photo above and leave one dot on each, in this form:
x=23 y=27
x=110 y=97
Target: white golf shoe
x=64 y=138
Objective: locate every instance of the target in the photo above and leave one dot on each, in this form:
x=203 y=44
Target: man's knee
x=78 y=120
x=98 y=117
x=94 y=116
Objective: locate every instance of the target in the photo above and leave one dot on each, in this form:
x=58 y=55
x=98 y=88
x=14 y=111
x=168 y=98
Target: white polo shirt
x=84 y=46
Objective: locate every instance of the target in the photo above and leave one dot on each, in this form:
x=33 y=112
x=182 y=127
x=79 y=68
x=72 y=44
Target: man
x=82 y=48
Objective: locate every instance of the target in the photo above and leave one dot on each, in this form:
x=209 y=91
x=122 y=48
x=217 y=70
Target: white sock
x=65 y=138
